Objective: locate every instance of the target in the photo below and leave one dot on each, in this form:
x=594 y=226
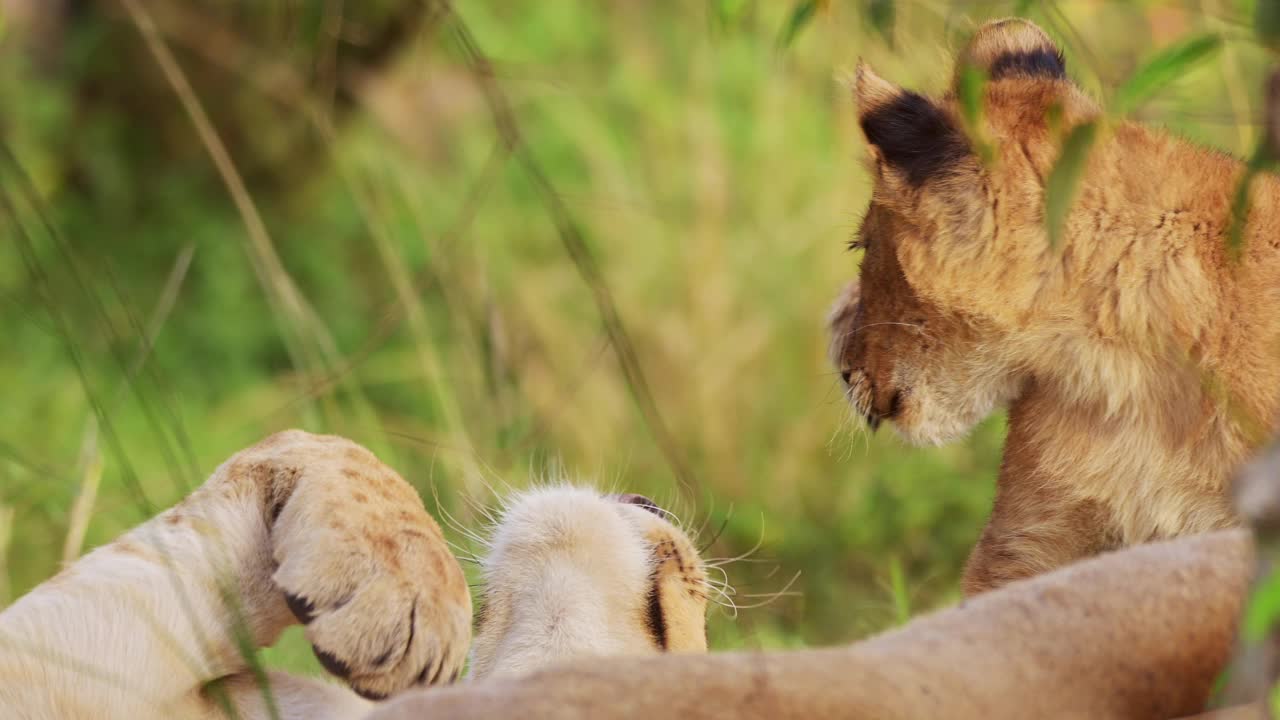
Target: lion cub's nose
x=634 y=499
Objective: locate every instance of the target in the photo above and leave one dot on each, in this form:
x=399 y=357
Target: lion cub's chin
x=571 y=572
x=930 y=419
x=939 y=431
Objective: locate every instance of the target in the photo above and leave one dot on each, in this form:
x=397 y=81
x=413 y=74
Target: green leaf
x=801 y=15
x=1023 y=7
x=1263 y=610
x=970 y=89
x=1261 y=160
x=1167 y=66
x=1064 y=179
x=1219 y=686
x=882 y=14
x=971 y=84
x=1239 y=213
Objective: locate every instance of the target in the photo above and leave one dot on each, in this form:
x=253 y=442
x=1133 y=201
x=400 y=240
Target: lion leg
x=137 y=628
x=1031 y=532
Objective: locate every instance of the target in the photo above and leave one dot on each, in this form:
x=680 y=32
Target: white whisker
x=773 y=596
x=453 y=523
x=718 y=562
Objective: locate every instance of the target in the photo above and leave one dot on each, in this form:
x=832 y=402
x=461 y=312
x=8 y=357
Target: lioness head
x=571 y=572
x=953 y=265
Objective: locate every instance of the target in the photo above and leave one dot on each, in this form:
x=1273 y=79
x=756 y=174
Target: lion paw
x=365 y=568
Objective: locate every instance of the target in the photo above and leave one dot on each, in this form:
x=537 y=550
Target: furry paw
x=364 y=567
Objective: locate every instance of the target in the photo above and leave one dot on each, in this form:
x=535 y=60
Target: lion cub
x=1139 y=360
x=314 y=529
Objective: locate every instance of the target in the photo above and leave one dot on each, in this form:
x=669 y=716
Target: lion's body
x=1139 y=360
x=315 y=529
x=1153 y=360
x=1134 y=635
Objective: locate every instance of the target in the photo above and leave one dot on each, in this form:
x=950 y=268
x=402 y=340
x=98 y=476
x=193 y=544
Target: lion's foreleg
x=1018 y=545
x=135 y=628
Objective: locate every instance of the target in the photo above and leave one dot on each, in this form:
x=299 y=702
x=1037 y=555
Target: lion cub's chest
x=1158 y=500
x=1146 y=487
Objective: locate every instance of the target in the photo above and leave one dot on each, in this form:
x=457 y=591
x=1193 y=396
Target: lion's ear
x=909 y=133
x=1013 y=48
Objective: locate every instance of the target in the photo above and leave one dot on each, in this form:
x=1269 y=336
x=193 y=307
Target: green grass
x=714 y=174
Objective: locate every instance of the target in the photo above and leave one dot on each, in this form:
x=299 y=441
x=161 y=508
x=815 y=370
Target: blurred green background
x=413 y=228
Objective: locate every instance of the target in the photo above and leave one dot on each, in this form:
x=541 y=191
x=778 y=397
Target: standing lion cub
x=1139 y=361
x=314 y=529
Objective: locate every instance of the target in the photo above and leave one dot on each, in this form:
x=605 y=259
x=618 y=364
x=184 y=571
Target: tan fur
x=1139 y=362
x=570 y=573
x=1133 y=635
x=145 y=627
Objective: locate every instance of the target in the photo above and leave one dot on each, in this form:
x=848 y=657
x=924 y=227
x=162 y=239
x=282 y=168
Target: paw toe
x=332 y=663
x=369 y=693
x=303 y=609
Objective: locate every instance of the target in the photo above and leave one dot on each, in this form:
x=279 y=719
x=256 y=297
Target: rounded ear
x=1013 y=47
x=907 y=132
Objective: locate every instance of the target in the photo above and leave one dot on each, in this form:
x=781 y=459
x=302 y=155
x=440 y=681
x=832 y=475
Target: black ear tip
x=1045 y=62
x=1014 y=46
x=332 y=663
x=915 y=136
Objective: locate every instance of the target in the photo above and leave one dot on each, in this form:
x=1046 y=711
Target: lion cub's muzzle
x=872 y=393
x=875 y=405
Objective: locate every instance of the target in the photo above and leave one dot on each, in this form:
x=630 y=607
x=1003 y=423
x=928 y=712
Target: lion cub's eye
x=859 y=239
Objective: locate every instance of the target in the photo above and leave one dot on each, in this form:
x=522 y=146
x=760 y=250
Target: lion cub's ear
x=1013 y=48
x=914 y=137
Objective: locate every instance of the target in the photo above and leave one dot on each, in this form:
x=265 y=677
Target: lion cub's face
x=929 y=338
x=572 y=572
x=932 y=374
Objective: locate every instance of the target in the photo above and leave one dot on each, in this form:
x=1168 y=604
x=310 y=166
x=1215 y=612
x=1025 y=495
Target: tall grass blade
x=1168 y=65
x=882 y=14
x=898 y=589
x=90 y=480
x=801 y=15
x=728 y=12
x=40 y=278
x=26 y=205
x=6 y=538
x=574 y=240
